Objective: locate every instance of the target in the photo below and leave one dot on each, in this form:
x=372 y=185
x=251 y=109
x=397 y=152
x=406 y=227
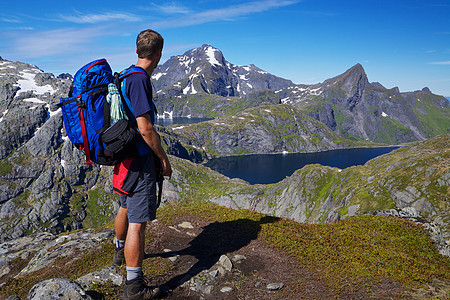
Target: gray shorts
x=141 y=202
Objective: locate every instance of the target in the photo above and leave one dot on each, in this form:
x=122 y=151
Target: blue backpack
x=86 y=115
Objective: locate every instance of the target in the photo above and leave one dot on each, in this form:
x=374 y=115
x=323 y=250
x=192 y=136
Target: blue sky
x=399 y=43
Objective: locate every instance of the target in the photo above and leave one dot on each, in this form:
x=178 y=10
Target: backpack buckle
x=80 y=103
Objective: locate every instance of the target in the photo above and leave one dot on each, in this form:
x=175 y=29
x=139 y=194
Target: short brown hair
x=148 y=42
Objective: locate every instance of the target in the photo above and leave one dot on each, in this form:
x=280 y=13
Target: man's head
x=149 y=43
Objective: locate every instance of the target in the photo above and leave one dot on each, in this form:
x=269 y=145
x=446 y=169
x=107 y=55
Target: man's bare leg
x=121 y=224
x=134 y=249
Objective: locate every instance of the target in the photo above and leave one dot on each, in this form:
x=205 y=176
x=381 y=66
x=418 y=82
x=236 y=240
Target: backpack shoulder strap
x=119 y=78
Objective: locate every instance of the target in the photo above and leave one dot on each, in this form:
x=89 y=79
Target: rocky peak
x=205 y=70
x=352 y=83
x=355 y=76
x=426 y=90
x=213 y=55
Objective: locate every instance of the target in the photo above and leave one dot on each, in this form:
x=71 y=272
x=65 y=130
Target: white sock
x=119 y=243
x=133 y=272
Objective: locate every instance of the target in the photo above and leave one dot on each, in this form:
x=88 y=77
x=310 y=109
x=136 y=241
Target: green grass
x=93 y=260
x=391 y=131
x=435 y=121
x=98 y=208
x=359 y=251
x=5 y=167
x=355 y=253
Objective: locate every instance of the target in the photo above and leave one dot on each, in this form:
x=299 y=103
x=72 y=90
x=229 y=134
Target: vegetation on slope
x=349 y=255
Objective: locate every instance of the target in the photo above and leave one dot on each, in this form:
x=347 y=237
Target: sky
x=399 y=43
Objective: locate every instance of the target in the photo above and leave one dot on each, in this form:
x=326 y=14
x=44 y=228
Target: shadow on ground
x=216 y=239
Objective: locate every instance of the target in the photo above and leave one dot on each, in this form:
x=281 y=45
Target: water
x=271 y=168
x=167 y=122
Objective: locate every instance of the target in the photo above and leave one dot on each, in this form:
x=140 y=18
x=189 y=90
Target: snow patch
x=210 y=52
x=315 y=92
x=268 y=110
x=52 y=113
x=29 y=84
x=34 y=100
x=179 y=127
x=243 y=77
x=165 y=115
x=3 y=115
x=186 y=90
x=158 y=76
x=383 y=114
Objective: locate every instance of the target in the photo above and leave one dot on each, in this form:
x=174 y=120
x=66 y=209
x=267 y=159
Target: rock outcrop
x=414 y=177
x=263 y=129
x=355 y=108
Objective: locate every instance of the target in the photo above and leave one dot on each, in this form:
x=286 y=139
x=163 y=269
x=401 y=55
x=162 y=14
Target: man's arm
x=151 y=137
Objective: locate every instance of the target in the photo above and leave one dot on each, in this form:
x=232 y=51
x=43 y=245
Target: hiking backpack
x=87 y=115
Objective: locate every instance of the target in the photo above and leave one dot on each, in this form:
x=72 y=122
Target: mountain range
x=45 y=183
x=46 y=187
x=201 y=83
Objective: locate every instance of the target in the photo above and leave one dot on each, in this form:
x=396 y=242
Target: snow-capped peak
x=211 y=55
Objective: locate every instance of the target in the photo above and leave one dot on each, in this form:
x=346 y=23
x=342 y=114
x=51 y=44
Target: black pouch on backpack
x=120 y=141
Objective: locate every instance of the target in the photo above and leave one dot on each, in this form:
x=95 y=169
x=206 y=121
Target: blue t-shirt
x=139 y=91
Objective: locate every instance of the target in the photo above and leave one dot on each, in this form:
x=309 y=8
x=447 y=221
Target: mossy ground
x=368 y=247
x=346 y=256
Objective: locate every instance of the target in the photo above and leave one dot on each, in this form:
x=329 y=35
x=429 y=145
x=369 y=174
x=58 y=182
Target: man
x=138 y=200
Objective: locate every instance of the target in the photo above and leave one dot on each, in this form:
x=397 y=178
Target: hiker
x=138 y=206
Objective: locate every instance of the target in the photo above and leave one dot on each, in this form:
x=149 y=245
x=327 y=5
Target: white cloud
x=100 y=18
x=227 y=13
x=171 y=8
x=65 y=41
x=10 y=20
x=440 y=63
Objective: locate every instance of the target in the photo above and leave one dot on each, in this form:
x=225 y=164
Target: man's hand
x=151 y=137
x=167 y=168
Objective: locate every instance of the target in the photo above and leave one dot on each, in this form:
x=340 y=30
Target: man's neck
x=146 y=64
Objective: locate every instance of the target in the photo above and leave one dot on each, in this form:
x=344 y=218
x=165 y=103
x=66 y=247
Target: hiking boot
x=137 y=289
x=119 y=257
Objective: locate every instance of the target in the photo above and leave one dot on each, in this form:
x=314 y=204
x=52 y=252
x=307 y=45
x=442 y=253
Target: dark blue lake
x=271 y=168
x=167 y=122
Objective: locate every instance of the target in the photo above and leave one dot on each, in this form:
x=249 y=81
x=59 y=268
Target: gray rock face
x=265 y=129
x=101 y=277
x=45 y=183
x=355 y=108
x=42 y=249
x=21 y=248
x=205 y=69
x=44 y=180
x=56 y=289
x=66 y=246
x=203 y=72
x=431 y=227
